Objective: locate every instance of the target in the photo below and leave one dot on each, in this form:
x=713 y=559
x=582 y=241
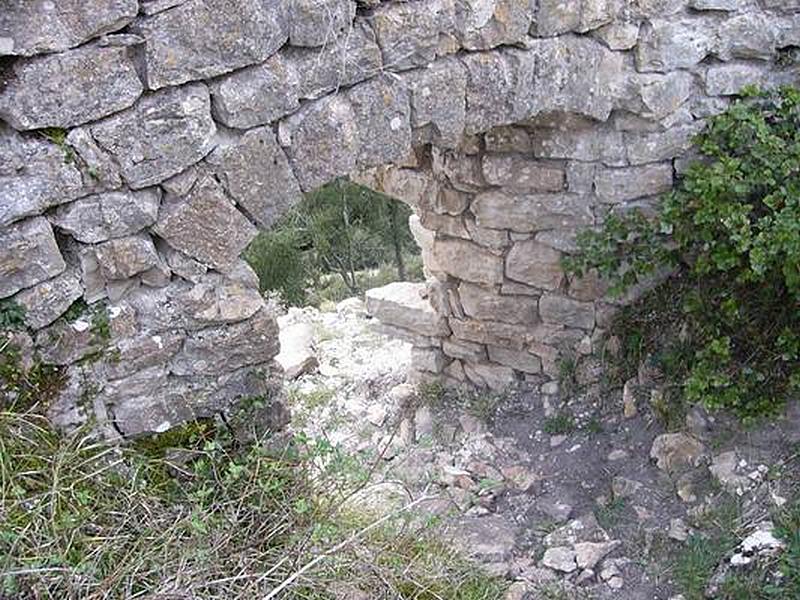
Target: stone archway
x=144 y=142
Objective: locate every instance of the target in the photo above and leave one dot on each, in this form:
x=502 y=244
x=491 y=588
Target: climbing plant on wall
x=731 y=231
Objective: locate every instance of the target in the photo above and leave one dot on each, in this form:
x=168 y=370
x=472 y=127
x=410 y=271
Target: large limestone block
x=729 y=79
x=263 y=93
x=519 y=360
x=205 y=225
x=46 y=301
x=491 y=90
x=556 y=16
x=30 y=27
x=322 y=141
x=532 y=212
x=489 y=332
x=561 y=310
x=256 y=173
x=408 y=33
x=350 y=58
x=748 y=36
x=438 y=103
x=580 y=140
x=28 y=255
x=489 y=375
x=485 y=24
x=535 y=264
x=317 y=22
x=668 y=45
x=160 y=136
x=467 y=261
x=218 y=298
x=431 y=360
x=567 y=74
x=467 y=351
x=366 y=127
x=661 y=145
x=218 y=350
x=100 y=217
x=522 y=173
x=382 y=112
x=34 y=175
x=214 y=300
x=484 y=303
x=622 y=185
x=125 y=257
x=203 y=38
x=401 y=304
x=257 y=95
x=297 y=355
x=663 y=94
x=141 y=352
x=71 y=88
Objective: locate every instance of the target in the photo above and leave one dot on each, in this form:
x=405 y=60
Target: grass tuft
x=190 y=513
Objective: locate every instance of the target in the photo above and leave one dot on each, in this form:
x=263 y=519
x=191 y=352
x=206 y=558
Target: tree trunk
x=396 y=242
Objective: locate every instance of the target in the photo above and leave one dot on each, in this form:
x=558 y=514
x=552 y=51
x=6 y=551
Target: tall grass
x=191 y=514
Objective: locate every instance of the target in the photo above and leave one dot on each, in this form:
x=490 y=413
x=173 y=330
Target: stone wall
x=142 y=143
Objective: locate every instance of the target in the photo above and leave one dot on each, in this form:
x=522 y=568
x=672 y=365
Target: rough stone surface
x=28 y=255
x=217 y=350
x=125 y=257
x=322 y=141
x=676 y=451
x=621 y=185
x=46 y=301
x=262 y=93
x=34 y=175
x=256 y=173
x=402 y=305
x=201 y=39
x=535 y=264
x=408 y=33
x=28 y=28
x=205 y=225
x=160 y=136
x=317 y=22
x=484 y=303
x=100 y=217
x=68 y=89
x=467 y=261
x=532 y=212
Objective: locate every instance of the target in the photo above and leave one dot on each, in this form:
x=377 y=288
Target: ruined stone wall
x=142 y=144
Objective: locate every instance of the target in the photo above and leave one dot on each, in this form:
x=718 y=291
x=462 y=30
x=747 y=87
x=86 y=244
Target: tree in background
x=341 y=229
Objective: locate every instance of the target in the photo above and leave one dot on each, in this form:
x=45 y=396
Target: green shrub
x=732 y=228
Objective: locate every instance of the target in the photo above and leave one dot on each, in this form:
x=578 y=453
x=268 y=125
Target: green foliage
x=58 y=136
x=611 y=513
x=788 y=530
x=342 y=230
x=720 y=532
x=12 y=315
x=559 y=424
x=732 y=231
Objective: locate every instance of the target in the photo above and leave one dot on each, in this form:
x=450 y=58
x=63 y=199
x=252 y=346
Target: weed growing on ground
x=719 y=533
x=190 y=512
x=610 y=514
x=559 y=424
